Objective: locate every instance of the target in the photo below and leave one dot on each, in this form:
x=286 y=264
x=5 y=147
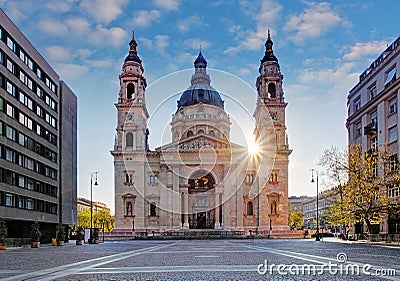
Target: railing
x=383 y=238
x=17 y=242
x=370 y=128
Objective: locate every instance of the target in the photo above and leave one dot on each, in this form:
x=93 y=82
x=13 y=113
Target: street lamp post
x=91 y=203
x=312 y=180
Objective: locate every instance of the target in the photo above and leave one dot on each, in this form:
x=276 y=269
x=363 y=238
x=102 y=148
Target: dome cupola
x=200 y=90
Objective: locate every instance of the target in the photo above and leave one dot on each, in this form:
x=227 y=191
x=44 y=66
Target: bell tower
x=270 y=133
x=132 y=129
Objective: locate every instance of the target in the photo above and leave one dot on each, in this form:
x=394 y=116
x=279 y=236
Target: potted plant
x=79 y=235
x=35 y=235
x=60 y=235
x=3 y=234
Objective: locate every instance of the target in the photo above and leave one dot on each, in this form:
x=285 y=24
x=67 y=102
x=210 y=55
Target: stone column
x=217 y=210
x=185 y=211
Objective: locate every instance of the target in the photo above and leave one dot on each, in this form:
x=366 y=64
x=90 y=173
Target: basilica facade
x=200 y=180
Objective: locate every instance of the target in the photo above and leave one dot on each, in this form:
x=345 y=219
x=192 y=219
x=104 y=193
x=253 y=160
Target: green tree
x=100 y=219
x=296 y=219
x=84 y=218
x=360 y=179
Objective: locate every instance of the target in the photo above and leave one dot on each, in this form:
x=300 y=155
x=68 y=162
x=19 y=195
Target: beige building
x=84 y=204
x=201 y=180
x=373 y=116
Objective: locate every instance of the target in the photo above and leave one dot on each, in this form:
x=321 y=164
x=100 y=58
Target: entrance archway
x=202 y=203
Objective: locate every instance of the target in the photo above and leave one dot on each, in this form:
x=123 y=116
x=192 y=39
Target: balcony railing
x=371 y=128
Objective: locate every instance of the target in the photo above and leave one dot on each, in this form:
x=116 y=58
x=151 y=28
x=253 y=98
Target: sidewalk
x=381 y=243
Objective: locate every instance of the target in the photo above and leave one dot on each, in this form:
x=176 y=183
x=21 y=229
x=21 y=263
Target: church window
x=153 y=212
x=212 y=133
x=200 y=131
x=153 y=179
x=189 y=133
x=129 y=139
x=128 y=178
x=249 y=208
x=271 y=90
x=130 y=91
x=249 y=178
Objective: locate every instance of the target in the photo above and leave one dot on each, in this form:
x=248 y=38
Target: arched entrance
x=202 y=200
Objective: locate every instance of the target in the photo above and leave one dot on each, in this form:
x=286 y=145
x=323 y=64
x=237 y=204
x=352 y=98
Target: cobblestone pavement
x=203 y=260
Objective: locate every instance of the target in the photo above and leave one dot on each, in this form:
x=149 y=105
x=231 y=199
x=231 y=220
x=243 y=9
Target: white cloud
x=57 y=53
x=114 y=36
x=161 y=43
x=52 y=27
x=167 y=4
x=184 y=25
x=364 y=49
x=313 y=22
x=144 y=18
x=265 y=13
x=84 y=53
x=100 y=64
x=195 y=43
x=60 y=5
x=70 y=71
x=78 y=26
x=103 y=11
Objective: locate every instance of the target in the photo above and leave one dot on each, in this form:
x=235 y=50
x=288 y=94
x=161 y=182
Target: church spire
x=132 y=55
x=269 y=53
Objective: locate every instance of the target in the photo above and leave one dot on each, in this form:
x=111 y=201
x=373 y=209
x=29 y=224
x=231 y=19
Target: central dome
x=200 y=90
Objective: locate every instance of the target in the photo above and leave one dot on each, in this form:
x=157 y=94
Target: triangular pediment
x=197 y=142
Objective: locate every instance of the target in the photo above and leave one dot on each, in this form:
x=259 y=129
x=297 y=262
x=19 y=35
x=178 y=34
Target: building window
x=189 y=133
x=249 y=208
x=130 y=91
x=153 y=212
x=249 y=178
x=129 y=139
x=358 y=129
x=1 y=104
x=393 y=162
x=128 y=178
x=393 y=191
x=200 y=131
x=212 y=133
x=10 y=111
x=393 y=106
x=357 y=103
x=390 y=76
x=29 y=204
x=372 y=91
x=374 y=117
x=9 y=200
x=393 y=134
x=10 y=89
x=10 y=133
x=153 y=179
x=10 y=66
x=11 y=44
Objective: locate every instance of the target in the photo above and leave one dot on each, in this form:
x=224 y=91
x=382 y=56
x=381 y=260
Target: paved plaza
x=203 y=260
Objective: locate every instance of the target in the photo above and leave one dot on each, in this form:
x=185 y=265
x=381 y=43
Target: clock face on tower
x=129 y=117
x=274 y=115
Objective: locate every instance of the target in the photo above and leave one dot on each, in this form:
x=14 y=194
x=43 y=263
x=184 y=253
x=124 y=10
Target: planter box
x=35 y=244
x=79 y=242
x=60 y=243
x=2 y=247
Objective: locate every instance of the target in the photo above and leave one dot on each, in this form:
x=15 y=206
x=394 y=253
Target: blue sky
x=322 y=48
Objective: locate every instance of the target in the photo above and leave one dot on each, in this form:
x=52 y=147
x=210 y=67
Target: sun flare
x=253 y=147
